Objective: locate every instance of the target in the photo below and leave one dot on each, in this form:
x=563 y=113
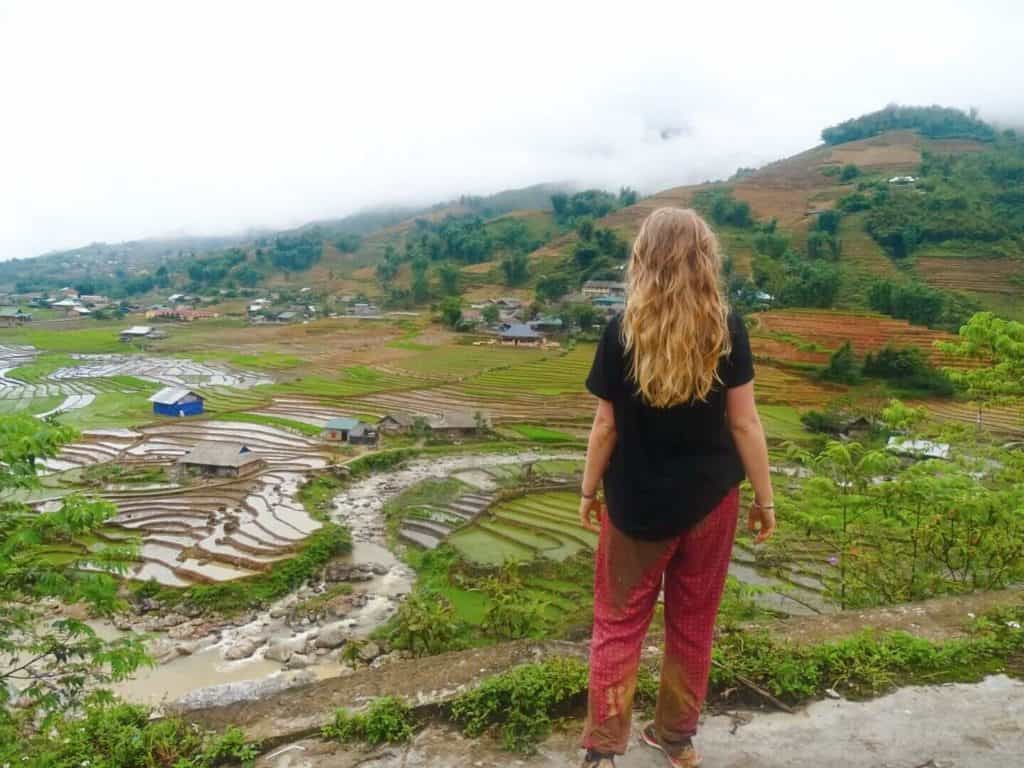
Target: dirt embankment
x=295 y=713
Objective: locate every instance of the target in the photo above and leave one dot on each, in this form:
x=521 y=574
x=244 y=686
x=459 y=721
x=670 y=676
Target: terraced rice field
x=351 y=381
x=78 y=385
x=830 y=329
x=774 y=386
x=458 y=361
x=554 y=375
x=525 y=528
x=427 y=526
x=213 y=529
x=162 y=370
x=972 y=275
x=1004 y=420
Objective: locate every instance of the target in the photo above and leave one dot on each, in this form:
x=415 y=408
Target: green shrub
x=426 y=625
x=113 y=734
x=849 y=172
x=388 y=720
x=842 y=366
x=521 y=702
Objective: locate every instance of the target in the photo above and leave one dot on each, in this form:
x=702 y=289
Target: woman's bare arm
x=599 y=450
x=748 y=435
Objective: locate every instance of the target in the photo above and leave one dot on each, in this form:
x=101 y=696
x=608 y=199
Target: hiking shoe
x=595 y=759
x=682 y=755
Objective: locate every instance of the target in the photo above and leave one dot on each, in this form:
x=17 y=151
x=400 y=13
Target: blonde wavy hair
x=675 y=325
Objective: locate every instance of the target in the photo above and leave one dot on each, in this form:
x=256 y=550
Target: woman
x=675 y=432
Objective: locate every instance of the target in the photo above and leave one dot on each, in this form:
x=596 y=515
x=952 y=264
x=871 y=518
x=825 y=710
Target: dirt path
x=953 y=726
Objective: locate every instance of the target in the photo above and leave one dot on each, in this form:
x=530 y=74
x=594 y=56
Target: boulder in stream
x=283 y=650
x=332 y=636
x=242 y=649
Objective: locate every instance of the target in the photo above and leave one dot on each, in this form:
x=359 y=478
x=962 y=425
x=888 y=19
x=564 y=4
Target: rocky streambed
x=304 y=636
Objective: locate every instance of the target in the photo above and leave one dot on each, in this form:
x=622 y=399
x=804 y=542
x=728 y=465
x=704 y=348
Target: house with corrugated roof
x=338 y=429
x=177 y=401
x=217 y=459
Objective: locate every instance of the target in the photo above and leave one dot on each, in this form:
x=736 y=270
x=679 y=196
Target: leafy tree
x=451 y=311
x=770 y=244
x=723 y=208
x=627 y=196
x=551 y=287
x=935 y=122
x=491 y=314
x=842 y=366
x=449 y=277
x=53 y=661
x=994 y=349
x=828 y=221
x=348 y=242
x=559 y=204
x=585 y=229
x=849 y=172
x=515 y=269
x=420 y=281
x=610 y=244
x=297 y=252
x=914 y=302
x=822 y=245
x=814 y=284
x=907 y=369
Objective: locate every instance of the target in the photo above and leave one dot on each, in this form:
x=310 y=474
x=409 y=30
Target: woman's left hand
x=591 y=512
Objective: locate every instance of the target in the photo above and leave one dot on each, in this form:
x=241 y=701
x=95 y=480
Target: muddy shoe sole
x=688 y=758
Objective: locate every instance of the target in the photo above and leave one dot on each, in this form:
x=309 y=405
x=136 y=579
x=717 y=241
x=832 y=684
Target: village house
x=79 y=311
x=397 y=423
x=452 y=425
x=593 y=288
x=136 y=332
x=182 y=314
x=68 y=292
x=337 y=429
x=12 y=316
x=177 y=401
x=94 y=300
x=519 y=335
x=363 y=434
x=216 y=459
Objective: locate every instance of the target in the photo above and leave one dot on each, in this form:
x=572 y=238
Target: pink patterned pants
x=628 y=576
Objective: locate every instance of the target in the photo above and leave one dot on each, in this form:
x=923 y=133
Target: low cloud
x=128 y=120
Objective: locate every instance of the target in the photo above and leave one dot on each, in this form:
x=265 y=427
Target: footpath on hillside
x=978 y=724
x=951 y=726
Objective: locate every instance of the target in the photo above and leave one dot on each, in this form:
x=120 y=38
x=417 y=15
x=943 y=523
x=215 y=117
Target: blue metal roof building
x=177 y=401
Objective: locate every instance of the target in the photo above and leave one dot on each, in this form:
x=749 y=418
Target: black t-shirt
x=671 y=466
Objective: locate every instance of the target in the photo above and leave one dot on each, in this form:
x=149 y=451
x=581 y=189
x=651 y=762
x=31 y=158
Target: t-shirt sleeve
x=605 y=378
x=739 y=368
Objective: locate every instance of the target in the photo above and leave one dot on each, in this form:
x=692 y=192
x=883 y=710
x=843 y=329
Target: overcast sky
x=123 y=120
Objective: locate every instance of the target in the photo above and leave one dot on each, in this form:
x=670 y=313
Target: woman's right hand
x=761 y=520
x=591 y=511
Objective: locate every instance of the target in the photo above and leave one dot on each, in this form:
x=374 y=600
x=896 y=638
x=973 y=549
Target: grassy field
x=103 y=338
x=541 y=434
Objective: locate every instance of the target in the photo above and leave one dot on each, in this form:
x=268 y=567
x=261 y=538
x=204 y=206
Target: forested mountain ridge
x=926 y=199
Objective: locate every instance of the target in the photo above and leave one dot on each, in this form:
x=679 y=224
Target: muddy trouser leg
x=694 y=580
x=627 y=579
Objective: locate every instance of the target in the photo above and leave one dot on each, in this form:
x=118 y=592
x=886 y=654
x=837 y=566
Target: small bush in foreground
x=388 y=721
x=113 y=734
x=521 y=702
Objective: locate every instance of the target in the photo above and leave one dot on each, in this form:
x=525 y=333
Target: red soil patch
x=866 y=333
